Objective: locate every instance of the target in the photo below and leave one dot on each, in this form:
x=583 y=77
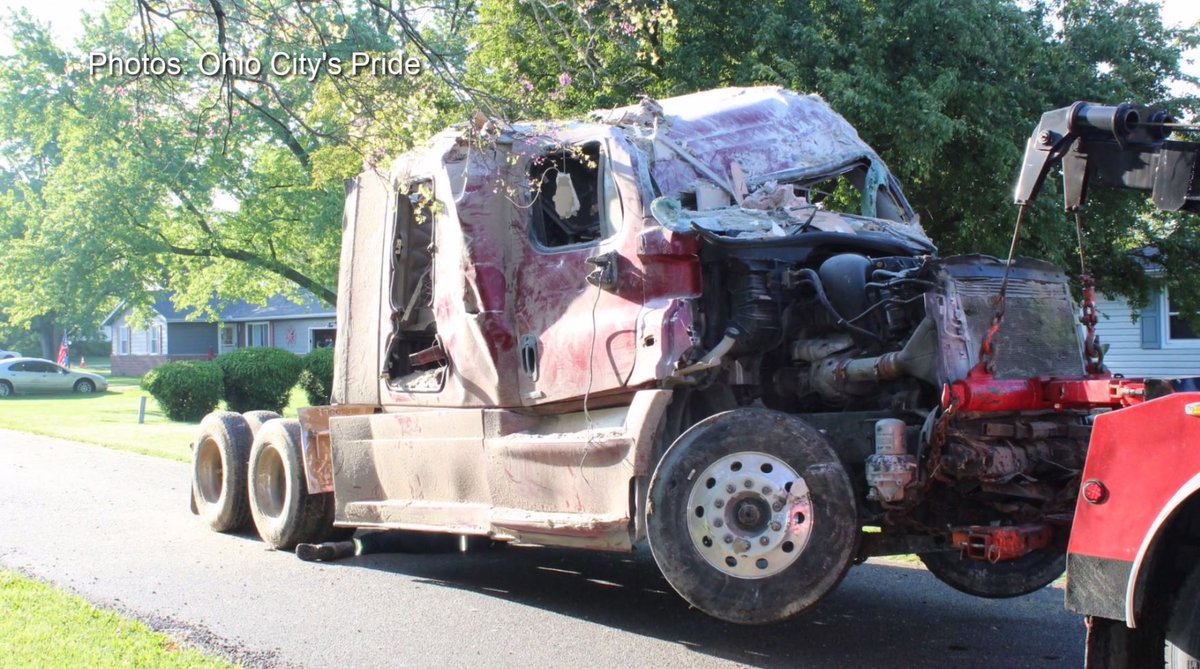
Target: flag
x=64 y=350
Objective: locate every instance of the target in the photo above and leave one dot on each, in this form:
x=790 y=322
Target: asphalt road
x=115 y=528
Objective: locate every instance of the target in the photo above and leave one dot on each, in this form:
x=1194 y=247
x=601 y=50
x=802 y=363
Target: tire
x=256 y=419
x=751 y=517
x=219 y=470
x=284 y=513
x=1002 y=580
x=85 y=387
x=1183 y=626
x=6 y=389
x=1112 y=645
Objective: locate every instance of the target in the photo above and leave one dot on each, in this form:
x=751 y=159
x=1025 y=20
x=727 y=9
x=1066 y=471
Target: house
x=1159 y=344
x=173 y=334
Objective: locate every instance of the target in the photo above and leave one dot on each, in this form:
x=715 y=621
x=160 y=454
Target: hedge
x=317 y=378
x=259 y=378
x=185 y=390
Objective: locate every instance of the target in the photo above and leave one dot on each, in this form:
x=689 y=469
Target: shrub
x=259 y=378
x=185 y=390
x=317 y=378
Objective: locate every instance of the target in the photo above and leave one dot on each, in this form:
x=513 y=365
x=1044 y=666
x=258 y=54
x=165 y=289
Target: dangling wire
x=587 y=417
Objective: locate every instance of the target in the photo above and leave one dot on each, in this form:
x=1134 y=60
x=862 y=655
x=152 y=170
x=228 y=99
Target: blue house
x=173 y=334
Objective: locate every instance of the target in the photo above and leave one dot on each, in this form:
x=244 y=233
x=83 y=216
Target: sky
x=65 y=17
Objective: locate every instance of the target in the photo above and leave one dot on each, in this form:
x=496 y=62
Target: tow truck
x=1133 y=557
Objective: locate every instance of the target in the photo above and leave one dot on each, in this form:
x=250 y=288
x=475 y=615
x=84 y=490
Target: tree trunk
x=45 y=332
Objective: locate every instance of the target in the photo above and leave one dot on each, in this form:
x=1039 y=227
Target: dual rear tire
x=249 y=469
x=284 y=512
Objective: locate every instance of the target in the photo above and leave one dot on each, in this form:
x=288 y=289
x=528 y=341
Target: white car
x=5 y=355
x=33 y=375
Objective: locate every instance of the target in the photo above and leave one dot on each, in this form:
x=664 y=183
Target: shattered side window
x=575 y=197
x=415 y=360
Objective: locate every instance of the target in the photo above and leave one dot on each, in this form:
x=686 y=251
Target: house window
x=228 y=336
x=155 y=334
x=124 y=340
x=1178 y=328
x=257 y=335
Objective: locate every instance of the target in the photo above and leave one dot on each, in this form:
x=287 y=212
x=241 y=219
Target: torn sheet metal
x=770 y=132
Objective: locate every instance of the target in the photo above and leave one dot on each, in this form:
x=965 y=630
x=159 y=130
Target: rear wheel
x=284 y=512
x=219 y=461
x=256 y=419
x=6 y=389
x=1183 y=626
x=752 y=518
x=1012 y=578
x=85 y=386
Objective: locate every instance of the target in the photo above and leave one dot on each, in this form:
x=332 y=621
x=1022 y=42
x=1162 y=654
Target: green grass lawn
x=45 y=627
x=109 y=418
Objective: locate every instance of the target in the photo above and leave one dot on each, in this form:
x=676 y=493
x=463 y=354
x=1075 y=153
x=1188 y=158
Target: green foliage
x=259 y=378
x=117 y=182
x=947 y=91
x=185 y=390
x=317 y=378
x=231 y=186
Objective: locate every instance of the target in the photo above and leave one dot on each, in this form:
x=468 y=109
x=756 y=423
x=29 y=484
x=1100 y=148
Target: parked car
x=32 y=375
x=6 y=355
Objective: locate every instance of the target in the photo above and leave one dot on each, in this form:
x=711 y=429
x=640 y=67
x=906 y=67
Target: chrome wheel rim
x=749 y=514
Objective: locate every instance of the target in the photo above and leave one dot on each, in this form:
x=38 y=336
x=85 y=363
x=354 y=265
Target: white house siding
x=1128 y=353
x=139 y=339
x=300 y=328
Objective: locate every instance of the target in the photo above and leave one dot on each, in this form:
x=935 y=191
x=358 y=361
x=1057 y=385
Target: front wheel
x=751 y=517
x=1183 y=626
x=85 y=387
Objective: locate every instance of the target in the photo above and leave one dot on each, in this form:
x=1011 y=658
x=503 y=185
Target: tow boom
x=1125 y=146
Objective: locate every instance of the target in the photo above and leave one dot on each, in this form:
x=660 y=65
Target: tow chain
x=1093 y=354
x=987 y=350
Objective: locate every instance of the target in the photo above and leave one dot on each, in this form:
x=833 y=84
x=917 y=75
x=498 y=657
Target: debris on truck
x=712 y=323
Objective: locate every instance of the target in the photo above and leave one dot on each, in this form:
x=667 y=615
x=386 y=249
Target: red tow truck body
x=1142 y=473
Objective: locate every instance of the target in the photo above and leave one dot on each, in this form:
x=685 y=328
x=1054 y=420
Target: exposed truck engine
x=711 y=323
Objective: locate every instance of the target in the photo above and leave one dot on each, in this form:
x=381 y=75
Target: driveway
x=115 y=528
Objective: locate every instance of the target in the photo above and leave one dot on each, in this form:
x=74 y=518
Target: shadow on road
x=882 y=615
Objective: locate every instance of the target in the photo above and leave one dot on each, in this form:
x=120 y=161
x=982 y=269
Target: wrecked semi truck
x=711 y=323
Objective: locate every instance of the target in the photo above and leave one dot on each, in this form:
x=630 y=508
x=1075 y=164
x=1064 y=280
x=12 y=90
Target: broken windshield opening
x=860 y=188
x=857 y=198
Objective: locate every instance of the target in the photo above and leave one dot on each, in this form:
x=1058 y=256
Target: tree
x=226 y=185
x=229 y=183
x=946 y=91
